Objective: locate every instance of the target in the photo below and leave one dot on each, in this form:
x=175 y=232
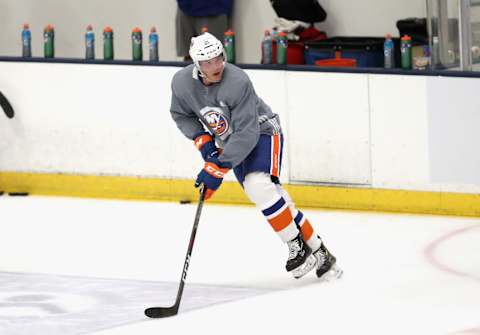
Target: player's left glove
x=212 y=175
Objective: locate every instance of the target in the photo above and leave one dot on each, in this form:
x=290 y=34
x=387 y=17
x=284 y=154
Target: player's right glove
x=206 y=145
x=212 y=175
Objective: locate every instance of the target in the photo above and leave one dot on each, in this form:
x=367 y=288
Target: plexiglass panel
x=454 y=29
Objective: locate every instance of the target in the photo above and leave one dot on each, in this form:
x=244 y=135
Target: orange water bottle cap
x=204 y=30
x=136 y=30
x=49 y=27
x=406 y=38
x=229 y=32
x=108 y=29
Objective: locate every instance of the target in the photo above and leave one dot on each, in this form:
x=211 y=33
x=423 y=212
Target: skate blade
x=334 y=273
x=308 y=266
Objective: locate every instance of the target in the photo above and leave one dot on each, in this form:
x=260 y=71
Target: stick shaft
x=190 y=246
x=161 y=312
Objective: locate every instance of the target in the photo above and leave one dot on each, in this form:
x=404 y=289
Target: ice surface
x=75 y=266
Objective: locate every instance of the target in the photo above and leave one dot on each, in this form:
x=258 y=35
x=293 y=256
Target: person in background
x=215 y=105
x=193 y=16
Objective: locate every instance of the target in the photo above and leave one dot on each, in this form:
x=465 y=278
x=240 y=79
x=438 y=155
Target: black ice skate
x=298 y=252
x=326 y=264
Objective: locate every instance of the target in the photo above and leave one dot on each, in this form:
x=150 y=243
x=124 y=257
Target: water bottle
x=427 y=57
x=389 y=52
x=26 y=41
x=89 y=43
x=406 y=52
x=282 y=45
x=137 y=44
x=435 y=52
x=108 y=43
x=229 y=44
x=49 y=41
x=267 y=46
x=153 y=44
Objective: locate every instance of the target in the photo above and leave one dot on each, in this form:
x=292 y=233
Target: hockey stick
x=7 y=108
x=163 y=312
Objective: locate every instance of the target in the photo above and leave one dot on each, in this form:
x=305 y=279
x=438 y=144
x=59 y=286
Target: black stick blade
x=6 y=106
x=161 y=312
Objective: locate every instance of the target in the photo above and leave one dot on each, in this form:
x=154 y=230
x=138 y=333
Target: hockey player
x=215 y=105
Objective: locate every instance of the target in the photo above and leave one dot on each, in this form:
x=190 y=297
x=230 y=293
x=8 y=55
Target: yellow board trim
x=142 y=188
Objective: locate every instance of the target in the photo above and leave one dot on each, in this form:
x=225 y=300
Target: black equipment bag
x=299 y=10
x=415 y=27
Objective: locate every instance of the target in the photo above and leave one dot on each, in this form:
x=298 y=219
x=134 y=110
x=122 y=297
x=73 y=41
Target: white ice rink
x=75 y=266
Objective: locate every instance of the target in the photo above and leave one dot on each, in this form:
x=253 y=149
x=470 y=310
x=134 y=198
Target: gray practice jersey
x=230 y=110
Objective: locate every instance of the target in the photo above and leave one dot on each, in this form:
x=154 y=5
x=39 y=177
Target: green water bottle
x=282 y=45
x=406 y=52
x=108 y=43
x=137 y=44
x=49 y=42
x=229 y=44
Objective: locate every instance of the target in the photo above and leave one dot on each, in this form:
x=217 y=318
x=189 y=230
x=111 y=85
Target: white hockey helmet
x=205 y=47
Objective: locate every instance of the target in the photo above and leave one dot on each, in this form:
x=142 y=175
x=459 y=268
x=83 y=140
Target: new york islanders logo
x=216 y=120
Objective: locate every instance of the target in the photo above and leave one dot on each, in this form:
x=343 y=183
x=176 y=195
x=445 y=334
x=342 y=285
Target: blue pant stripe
x=298 y=218
x=275 y=207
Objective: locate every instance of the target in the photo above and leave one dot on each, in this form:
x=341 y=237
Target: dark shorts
x=190 y=26
x=265 y=157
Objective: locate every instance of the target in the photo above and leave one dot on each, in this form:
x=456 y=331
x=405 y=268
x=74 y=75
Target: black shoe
x=298 y=251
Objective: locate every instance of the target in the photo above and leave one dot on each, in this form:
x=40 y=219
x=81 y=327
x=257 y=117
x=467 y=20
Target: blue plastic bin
x=367 y=51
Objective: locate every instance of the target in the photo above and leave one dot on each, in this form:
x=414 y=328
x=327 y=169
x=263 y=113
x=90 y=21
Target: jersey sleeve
x=184 y=117
x=246 y=130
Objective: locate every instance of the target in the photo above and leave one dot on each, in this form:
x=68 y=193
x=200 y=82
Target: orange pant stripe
x=307 y=230
x=275 y=169
x=282 y=220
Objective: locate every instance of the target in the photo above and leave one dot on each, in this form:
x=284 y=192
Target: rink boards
x=354 y=140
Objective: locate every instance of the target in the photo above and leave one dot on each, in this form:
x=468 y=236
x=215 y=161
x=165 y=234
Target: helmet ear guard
x=205 y=47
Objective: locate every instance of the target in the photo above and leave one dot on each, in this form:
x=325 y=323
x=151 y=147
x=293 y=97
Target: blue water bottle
x=267 y=48
x=153 y=44
x=26 y=41
x=389 y=52
x=89 y=43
